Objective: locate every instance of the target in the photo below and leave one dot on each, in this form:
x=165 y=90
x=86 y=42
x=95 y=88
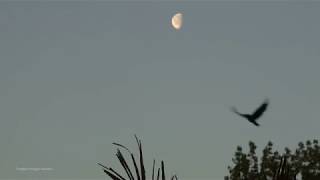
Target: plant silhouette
x=303 y=161
x=140 y=173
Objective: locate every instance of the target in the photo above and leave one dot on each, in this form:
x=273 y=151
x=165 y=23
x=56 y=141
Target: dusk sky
x=77 y=76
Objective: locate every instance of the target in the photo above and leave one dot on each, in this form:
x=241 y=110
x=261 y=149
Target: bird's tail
x=255 y=123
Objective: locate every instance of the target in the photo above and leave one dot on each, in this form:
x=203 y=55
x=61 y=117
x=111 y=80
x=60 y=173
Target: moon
x=177 y=21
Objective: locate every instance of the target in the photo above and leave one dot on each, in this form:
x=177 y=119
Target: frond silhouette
x=140 y=173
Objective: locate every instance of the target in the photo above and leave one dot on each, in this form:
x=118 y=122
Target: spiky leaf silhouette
x=140 y=174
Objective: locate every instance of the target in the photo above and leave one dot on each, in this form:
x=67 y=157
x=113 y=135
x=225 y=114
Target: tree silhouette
x=283 y=171
x=305 y=160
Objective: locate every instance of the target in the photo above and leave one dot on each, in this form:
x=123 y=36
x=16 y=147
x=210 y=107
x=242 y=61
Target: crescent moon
x=177 y=21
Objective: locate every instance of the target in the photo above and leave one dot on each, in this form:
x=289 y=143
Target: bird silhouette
x=256 y=114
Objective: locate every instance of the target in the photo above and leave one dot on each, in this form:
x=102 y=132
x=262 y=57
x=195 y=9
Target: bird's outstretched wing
x=258 y=112
x=233 y=109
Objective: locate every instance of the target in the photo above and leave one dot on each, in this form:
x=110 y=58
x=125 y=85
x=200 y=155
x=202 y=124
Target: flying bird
x=256 y=114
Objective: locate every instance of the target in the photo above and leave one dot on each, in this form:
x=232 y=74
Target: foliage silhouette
x=140 y=174
x=305 y=161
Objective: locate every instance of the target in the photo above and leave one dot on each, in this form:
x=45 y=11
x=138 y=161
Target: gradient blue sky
x=76 y=77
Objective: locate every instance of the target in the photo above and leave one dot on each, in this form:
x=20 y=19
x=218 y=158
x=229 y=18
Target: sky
x=77 y=76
